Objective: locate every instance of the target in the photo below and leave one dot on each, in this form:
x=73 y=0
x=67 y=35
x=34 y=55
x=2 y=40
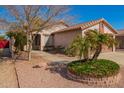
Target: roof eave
x=79 y=28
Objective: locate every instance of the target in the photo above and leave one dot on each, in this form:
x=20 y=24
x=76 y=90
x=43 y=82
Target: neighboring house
x=120 y=39
x=65 y=36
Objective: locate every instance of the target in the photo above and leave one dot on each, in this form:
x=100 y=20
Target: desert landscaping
x=50 y=71
x=42 y=47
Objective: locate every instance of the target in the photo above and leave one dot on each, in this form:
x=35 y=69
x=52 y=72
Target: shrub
x=20 y=39
x=2 y=37
x=95 y=68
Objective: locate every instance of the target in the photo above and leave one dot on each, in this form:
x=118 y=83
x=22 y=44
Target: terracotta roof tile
x=86 y=25
x=120 y=32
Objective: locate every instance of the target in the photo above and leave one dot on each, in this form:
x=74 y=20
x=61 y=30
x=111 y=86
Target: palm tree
x=90 y=44
x=80 y=47
x=98 y=40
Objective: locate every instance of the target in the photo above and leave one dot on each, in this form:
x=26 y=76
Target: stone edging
x=96 y=82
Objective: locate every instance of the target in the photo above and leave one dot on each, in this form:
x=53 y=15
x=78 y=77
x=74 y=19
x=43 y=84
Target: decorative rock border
x=96 y=82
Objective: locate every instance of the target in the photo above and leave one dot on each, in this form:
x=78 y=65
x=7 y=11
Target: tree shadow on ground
x=58 y=67
x=4 y=59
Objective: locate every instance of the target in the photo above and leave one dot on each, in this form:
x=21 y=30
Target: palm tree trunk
x=97 y=52
x=86 y=55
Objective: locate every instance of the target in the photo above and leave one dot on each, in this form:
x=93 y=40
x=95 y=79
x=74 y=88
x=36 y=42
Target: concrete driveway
x=114 y=56
x=52 y=70
x=53 y=57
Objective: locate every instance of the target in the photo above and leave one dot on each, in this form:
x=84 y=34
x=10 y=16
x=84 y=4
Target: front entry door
x=36 y=45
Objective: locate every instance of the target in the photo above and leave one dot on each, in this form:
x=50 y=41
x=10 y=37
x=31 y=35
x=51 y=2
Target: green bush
x=2 y=37
x=95 y=68
x=20 y=39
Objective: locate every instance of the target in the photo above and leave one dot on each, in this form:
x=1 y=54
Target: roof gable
x=87 y=25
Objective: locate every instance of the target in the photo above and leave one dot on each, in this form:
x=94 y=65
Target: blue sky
x=113 y=14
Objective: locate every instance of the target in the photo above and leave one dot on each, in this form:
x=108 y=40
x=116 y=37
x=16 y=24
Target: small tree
x=33 y=18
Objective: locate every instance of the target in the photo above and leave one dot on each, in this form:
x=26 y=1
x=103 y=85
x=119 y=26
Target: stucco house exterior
x=65 y=36
x=44 y=39
x=62 y=34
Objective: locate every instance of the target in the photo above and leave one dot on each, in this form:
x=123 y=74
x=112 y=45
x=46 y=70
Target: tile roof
x=86 y=25
x=120 y=32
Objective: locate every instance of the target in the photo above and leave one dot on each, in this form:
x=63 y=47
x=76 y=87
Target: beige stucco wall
x=93 y=28
x=107 y=30
x=46 y=33
x=65 y=38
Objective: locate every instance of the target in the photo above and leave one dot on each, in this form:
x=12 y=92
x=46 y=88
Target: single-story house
x=65 y=36
x=61 y=34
